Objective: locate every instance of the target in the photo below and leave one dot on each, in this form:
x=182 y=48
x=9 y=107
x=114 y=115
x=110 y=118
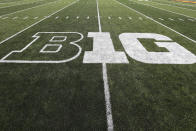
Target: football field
x=97 y=65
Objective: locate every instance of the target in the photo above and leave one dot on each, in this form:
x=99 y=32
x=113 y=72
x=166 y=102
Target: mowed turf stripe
x=14 y=3
x=172 y=5
x=63 y=96
x=19 y=8
x=20 y=4
x=188 y=5
x=36 y=23
x=8 y=26
x=189 y=14
x=175 y=25
x=5 y=1
x=142 y=94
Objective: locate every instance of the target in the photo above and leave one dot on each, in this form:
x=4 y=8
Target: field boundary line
x=29 y=8
x=106 y=85
x=38 y=22
x=172 y=5
x=164 y=10
x=155 y=21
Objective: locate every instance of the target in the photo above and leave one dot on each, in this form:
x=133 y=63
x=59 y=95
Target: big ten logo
x=61 y=47
x=48 y=47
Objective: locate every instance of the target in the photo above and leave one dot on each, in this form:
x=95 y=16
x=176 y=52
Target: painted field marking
x=38 y=22
x=36 y=17
x=5 y=18
x=171 y=19
x=87 y=17
x=155 y=21
x=140 y=18
x=57 y=17
x=67 y=17
x=167 y=10
x=25 y=17
x=160 y=19
x=74 y=43
x=120 y=18
x=46 y=16
x=77 y=17
x=106 y=85
x=180 y=19
x=130 y=18
x=191 y=20
x=51 y=45
x=109 y=17
x=15 y=18
x=28 y=8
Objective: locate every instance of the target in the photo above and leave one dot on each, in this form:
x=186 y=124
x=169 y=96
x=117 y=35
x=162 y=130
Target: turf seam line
x=106 y=85
x=155 y=21
x=166 y=10
x=29 y=8
x=38 y=22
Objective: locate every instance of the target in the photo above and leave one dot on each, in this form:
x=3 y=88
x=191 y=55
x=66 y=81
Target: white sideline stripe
x=156 y=21
x=172 y=5
x=167 y=10
x=29 y=8
x=38 y=22
x=106 y=85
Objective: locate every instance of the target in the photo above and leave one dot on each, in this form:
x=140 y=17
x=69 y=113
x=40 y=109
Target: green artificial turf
x=70 y=96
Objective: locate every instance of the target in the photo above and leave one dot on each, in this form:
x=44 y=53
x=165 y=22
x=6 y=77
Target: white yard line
x=156 y=21
x=106 y=85
x=165 y=10
x=29 y=8
x=37 y=22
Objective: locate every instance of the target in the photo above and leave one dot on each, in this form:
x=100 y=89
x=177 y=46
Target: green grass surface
x=70 y=96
